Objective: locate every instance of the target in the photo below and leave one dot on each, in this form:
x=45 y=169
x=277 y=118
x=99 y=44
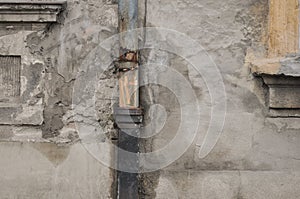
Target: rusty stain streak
x=129 y=56
x=128 y=60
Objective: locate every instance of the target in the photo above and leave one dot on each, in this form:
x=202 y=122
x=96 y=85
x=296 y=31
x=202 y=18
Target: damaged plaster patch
x=27 y=134
x=254 y=22
x=26 y=108
x=21 y=134
x=32 y=115
x=23 y=84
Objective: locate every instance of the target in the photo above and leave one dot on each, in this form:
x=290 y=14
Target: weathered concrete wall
x=41 y=153
x=41 y=170
x=256 y=156
x=42 y=157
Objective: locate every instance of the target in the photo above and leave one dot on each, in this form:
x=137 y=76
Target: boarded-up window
x=283 y=27
x=10 y=67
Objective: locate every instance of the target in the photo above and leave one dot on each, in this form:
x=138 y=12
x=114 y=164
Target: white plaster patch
x=23 y=84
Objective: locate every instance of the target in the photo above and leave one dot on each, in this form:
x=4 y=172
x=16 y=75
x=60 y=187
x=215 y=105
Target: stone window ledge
x=22 y=115
x=286 y=66
x=31 y=12
x=282 y=77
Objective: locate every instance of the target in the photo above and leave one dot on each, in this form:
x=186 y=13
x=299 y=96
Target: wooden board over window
x=283 y=27
x=10 y=67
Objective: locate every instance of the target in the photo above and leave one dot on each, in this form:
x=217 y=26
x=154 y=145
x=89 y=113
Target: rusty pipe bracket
x=128 y=60
x=128 y=118
x=128 y=56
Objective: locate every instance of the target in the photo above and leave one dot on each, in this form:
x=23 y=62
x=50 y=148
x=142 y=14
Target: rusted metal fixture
x=128 y=118
x=128 y=115
x=128 y=59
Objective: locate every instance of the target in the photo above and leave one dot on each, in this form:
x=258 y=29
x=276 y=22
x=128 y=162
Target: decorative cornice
x=32 y=12
x=281 y=75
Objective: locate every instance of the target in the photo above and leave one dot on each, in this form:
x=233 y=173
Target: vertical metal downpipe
x=128 y=109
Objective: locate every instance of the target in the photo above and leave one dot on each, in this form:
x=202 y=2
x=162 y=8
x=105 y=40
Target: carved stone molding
x=283 y=95
x=282 y=77
x=31 y=12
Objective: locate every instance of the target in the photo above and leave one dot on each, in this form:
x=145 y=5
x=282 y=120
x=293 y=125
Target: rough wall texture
x=40 y=148
x=255 y=157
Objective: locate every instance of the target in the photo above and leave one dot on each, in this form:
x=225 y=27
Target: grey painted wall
x=255 y=157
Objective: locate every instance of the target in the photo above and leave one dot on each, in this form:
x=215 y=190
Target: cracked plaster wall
x=256 y=156
x=42 y=156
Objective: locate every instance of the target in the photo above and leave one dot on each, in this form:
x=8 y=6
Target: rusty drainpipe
x=128 y=115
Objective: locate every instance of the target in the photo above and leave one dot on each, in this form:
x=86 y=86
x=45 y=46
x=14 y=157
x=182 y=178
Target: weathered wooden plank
x=283 y=27
x=10 y=67
x=128 y=85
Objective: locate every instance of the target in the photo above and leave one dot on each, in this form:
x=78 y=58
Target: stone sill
x=282 y=77
x=31 y=12
x=19 y=114
x=286 y=66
